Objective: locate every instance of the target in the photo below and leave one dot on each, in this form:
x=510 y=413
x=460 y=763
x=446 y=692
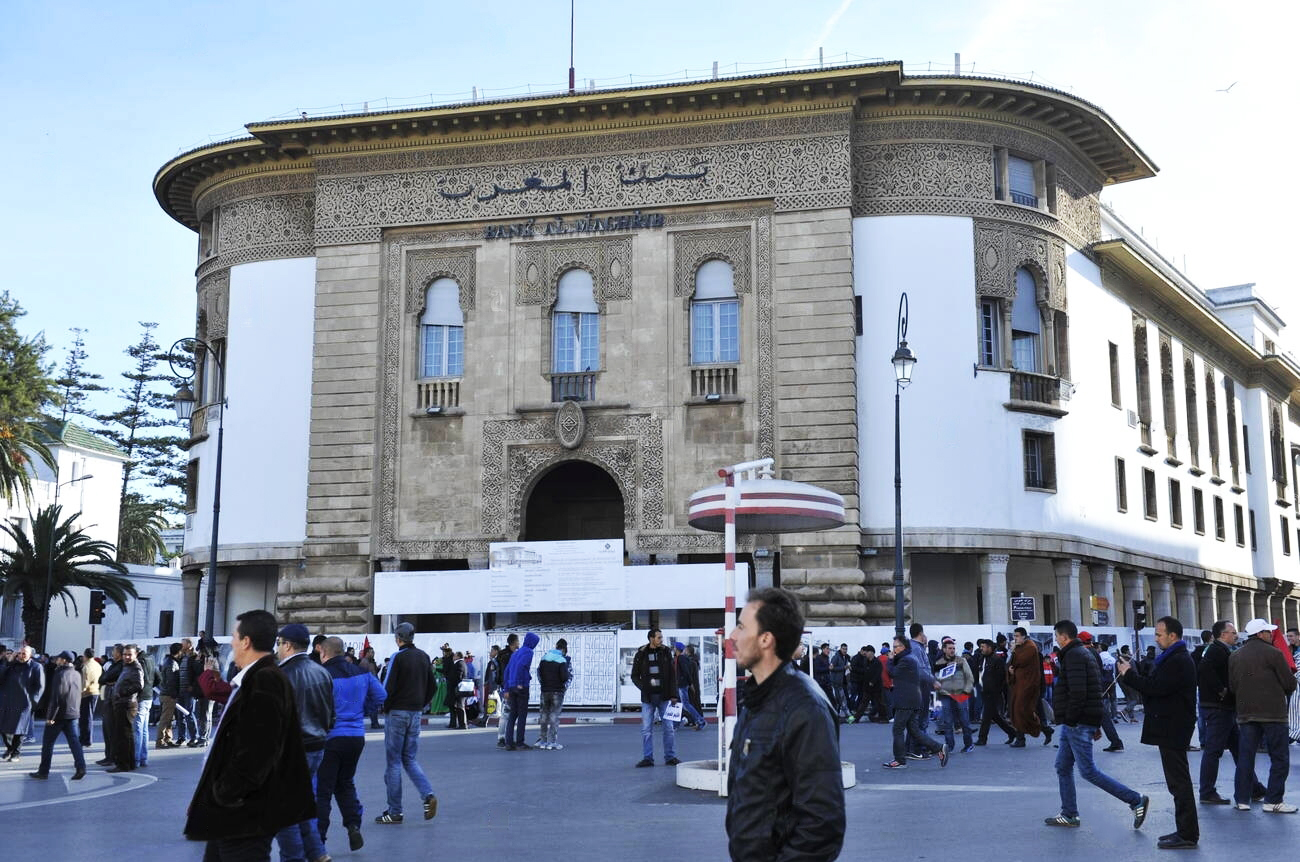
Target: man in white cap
x=1261 y=679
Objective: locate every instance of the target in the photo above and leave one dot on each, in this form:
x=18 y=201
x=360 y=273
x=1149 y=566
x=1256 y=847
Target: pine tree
x=145 y=425
x=75 y=382
x=26 y=388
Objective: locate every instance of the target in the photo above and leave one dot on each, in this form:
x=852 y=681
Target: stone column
x=1067 y=591
x=830 y=585
x=219 y=614
x=993 y=582
x=1133 y=589
x=1206 y=595
x=763 y=571
x=191 y=620
x=1187 y=612
x=1161 y=598
x=1102 y=576
x=1245 y=607
x=1227 y=604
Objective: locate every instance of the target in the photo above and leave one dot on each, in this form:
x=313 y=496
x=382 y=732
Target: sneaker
x=1279 y=808
x=1242 y=806
x=555 y=746
x=1140 y=810
x=1062 y=820
x=894 y=764
x=355 y=840
x=943 y=756
x=45 y=775
x=968 y=749
x=915 y=756
x=672 y=761
x=644 y=762
x=539 y=743
x=388 y=817
x=430 y=807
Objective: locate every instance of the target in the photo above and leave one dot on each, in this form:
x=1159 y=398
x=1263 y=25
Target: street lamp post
x=49 y=553
x=184 y=399
x=903 y=361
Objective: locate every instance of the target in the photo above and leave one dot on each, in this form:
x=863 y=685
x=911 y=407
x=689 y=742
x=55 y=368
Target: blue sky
x=100 y=95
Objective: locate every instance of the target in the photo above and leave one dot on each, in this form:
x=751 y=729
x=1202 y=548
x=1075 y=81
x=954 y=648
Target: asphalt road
x=588 y=802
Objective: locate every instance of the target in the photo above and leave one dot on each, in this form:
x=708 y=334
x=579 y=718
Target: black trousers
x=1178 y=778
x=993 y=714
x=124 y=734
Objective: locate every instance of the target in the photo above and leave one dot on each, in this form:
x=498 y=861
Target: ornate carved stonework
x=929 y=169
x=539 y=265
x=256 y=185
x=1001 y=249
x=264 y=228
x=693 y=248
x=570 y=425
x=214 y=304
x=426 y=265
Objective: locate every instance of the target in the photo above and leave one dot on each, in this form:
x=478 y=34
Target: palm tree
x=138 y=536
x=78 y=561
x=19 y=441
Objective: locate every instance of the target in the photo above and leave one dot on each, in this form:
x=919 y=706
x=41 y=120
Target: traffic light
x=1139 y=615
x=96 y=607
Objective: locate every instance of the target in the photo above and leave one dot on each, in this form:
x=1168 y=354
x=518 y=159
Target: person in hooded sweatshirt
x=554 y=673
x=518 y=677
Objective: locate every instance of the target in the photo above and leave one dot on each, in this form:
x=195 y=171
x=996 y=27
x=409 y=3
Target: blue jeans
x=67 y=727
x=142 y=733
x=649 y=711
x=954 y=713
x=688 y=708
x=1076 y=749
x=1276 y=740
x=518 y=719
x=301 y=842
x=401 y=745
x=187 y=726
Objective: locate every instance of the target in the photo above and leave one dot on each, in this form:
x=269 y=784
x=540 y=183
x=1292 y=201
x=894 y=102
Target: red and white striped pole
x=727 y=703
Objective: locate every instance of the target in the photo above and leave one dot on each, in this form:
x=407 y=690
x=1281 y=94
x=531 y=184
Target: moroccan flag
x=1279 y=641
x=365 y=646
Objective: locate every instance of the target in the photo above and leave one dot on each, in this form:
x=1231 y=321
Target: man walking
x=62 y=709
x=255 y=779
x=1107 y=677
x=1169 y=717
x=1077 y=704
x=357 y=694
x=864 y=672
x=993 y=681
x=313 y=694
x=1260 y=679
x=688 y=677
x=785 y=792
x=911 y=678
x=410 y=685
x=1025 y=683
x=956 y=684
x=653 y=674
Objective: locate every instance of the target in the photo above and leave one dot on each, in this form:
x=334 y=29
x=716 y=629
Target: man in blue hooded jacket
x=518 y=678
x=357 y=693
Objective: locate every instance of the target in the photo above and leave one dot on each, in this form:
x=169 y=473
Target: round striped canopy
x=768 y=506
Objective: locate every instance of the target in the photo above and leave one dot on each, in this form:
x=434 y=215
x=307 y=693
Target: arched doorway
x=575 y=500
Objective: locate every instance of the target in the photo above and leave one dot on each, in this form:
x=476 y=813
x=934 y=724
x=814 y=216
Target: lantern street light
x=49 y=553
x=903 y=361
x=185 y=401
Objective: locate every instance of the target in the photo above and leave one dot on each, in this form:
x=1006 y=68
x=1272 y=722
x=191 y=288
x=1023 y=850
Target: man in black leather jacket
x=313 y=694
x=785 y=790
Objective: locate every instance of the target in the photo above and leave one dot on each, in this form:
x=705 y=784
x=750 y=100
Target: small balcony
x=1035 y=393
x=1025 y=200
x=579 y=386
x=440 y=392
x=709 y=380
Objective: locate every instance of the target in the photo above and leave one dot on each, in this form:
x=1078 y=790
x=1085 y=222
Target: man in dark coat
x=22 y=682
x=1218 y=713
x=255 y=780
x=993 y=681
x=1169 y=707
x=62 y=711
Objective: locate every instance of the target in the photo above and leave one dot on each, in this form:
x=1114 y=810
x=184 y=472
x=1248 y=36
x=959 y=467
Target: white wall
x=159 y=586
x=268 y=389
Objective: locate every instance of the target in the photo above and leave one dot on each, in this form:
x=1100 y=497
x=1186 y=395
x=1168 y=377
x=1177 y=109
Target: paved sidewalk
x=588 y=802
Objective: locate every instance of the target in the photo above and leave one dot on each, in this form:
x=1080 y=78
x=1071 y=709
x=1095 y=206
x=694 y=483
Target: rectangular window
x=857 y=315
x=715 y=332
x=1040 y=460
x=1220 y=529
x=576 y=343
x=1286 y=535
x=1245 y=447
x=1176 y=503
x=990 y=333
x=1239 y=521
x=1149 y=494
x=1021 y=181
x=166 y=622
x=1198 y=511
x=1121 y=486
x=192 y=486
x=1114 y=375
x=443 y=351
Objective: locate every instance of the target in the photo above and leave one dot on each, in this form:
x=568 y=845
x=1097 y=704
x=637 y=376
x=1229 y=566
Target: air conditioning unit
x=1132 y=419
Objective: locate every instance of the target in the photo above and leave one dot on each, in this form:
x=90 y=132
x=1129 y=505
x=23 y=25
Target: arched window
x=715 y=315
x=442 y=331
x=575 y=328
x=1026 y=324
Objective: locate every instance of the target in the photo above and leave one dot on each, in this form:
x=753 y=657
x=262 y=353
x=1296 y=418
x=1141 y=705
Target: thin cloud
x=829 y=27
